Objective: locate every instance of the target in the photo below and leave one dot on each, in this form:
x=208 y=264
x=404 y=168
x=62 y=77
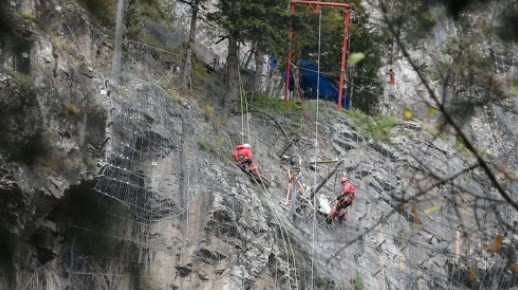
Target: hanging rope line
x=316 y=155
x=241 y=97
x=244 y=108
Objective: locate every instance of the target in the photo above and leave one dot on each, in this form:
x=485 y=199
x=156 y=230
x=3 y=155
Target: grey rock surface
x=131 y=189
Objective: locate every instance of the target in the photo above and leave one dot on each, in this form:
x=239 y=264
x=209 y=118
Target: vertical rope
x=316 y=155
x=241 y=106
x=243 y=109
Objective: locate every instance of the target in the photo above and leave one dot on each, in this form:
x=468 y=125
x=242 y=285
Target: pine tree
x=243 y=20
x=195 y=5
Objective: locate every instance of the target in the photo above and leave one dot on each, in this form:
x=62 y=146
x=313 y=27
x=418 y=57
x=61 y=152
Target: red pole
x=332 y=4
x=343 y=64
x=288 y=65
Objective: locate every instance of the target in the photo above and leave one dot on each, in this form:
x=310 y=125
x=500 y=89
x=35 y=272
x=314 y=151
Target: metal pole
x=344 y=52
x=321 y=3
x=288 y=65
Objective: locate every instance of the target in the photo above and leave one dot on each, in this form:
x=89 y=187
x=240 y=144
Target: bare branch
x=383 y=219
x=446 y=115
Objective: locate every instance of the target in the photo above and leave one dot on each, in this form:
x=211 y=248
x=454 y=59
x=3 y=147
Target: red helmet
x=344 y=180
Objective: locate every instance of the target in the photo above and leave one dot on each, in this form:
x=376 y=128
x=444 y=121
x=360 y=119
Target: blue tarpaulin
x=308 y=83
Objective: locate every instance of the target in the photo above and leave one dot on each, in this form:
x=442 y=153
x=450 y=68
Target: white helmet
x=246 y=145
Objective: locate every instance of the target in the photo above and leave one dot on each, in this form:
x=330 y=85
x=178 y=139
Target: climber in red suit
x=243 y=155
x=344 y=199
x=392 y=77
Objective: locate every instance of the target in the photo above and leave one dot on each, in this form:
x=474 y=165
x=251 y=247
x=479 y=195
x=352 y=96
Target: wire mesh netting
x=177 y=224
x=139 y=167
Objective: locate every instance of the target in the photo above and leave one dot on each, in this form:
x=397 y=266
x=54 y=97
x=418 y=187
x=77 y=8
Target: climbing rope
x=316 y=155
x=284 y=232
x=243 y=110
x=241 y=107
x=288 y=248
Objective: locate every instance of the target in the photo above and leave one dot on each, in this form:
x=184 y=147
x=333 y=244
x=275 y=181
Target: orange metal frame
x=315 y=6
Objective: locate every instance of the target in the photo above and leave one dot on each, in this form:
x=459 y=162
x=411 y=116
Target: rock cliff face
x=107 y=182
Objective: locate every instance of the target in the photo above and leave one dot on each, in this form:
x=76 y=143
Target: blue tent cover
x=308 y=83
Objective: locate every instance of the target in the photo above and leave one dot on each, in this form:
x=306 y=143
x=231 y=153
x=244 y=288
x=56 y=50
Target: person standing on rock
x=343 y=200
x=243 y=156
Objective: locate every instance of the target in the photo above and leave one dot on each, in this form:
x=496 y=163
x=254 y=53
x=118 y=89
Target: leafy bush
x=269 y=103
x=376 y=128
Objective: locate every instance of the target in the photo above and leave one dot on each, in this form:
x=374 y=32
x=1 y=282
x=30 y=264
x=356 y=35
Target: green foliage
x=72 y=109
x=102 y=10
x=220 y=140
x=139 y=13
x=261 y=21
x=357 y=282
x=21 y=78
x=205 y=81
x=61 y=43
x=415 y=18
x=469 y=77
x=357 y=116
x=208 y=111
x=463 y=150
x=379 y=129
x=211 y=148
x=291 y=109
x=29 y=15
x=323 y=282
x=375 y=128
x=364 y=45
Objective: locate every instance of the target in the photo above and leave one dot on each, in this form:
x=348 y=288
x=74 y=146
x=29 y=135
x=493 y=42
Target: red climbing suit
x=243 y=155
x=344 y=199
x=392 y=77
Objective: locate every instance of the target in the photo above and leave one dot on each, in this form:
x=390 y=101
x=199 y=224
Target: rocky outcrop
x=106 y=182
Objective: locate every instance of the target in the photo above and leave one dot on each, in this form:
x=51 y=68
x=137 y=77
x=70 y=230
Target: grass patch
x=215 y=150
x=294 y=110
x=206 y=146
x=208 y=111
x=28 y=15
x=20 y=78
x=220 y=140
x=151 y=10
x=356 y=116
x=463 y=150
x=72 y=109
x=357 y=282
x=175 y=96
x=61 y=43
x=204 y=80
x=377 y=128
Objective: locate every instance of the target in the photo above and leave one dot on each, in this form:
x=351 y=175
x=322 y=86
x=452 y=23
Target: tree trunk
x=232 y=78
x=186 y=77
x=259 y=76
x=117 y=51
